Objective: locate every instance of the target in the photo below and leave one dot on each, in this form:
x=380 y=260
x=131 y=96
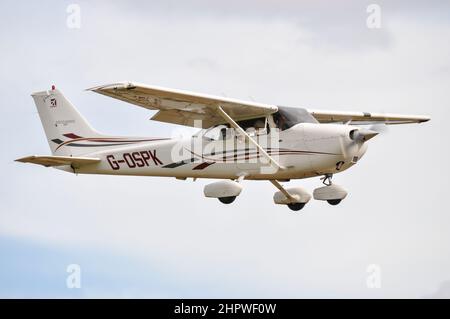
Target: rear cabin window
x=258 y=123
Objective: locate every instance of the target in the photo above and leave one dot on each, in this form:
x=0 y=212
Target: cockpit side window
x=254 y=126
x=216 y=133
x=257 y=123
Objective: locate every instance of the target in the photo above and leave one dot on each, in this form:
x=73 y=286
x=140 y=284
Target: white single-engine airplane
x=239 y=140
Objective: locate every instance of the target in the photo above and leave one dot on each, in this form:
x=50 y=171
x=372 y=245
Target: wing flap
x=48 y=161
x=185 y=118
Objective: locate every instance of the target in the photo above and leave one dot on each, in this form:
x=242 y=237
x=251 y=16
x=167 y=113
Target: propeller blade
x=380 y=128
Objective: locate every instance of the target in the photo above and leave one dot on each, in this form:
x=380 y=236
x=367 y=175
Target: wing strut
x=251 y=140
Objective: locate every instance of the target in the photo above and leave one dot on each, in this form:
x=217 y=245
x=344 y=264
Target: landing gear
x=225 y=191
x=326 y=180
x=296 y=206
x=227 y=200
x=334 y=202
x=295 y=198
x=331 y=193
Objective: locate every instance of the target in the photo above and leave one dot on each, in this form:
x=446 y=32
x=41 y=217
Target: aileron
x=361 y=118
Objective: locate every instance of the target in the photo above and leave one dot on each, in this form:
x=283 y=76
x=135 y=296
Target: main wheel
x=227 y=200
x=334 y=202
x=296 y=206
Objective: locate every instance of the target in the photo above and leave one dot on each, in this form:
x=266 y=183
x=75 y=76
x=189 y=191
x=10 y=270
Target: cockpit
x=286 y=117
x=283 y=119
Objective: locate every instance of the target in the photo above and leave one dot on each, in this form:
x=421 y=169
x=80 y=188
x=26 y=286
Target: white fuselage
x=304 y=150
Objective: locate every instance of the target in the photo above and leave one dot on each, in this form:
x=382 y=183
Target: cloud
x=443 y=292
x=203 y=64
x=330 y=25
x=39 y=270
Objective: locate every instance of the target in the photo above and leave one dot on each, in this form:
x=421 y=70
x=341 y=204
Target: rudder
x=61 y=121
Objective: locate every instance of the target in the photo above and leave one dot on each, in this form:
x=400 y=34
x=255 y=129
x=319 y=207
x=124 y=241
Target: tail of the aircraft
x=66 y=129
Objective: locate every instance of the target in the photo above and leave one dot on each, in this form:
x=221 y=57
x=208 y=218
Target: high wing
x=362 y=118
x=182 y=107
x=185 y=108
x=48 y=161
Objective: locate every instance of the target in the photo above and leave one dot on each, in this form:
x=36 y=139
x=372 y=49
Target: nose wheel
x=334 y=202
x=227 y=200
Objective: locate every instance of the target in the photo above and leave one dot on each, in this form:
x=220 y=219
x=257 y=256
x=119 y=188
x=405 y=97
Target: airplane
x=236 y=140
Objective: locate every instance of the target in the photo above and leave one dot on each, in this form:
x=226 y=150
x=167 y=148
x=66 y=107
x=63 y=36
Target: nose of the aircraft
x=368 y=134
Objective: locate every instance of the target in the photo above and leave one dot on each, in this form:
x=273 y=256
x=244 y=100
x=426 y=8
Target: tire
x=334 y=202
x=296 y=206
x=227 y=200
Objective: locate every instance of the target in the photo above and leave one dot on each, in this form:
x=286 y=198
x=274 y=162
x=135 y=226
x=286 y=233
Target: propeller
x=381 y=128
x=361 y=135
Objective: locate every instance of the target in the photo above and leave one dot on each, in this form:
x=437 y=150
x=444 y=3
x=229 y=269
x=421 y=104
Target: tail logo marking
x=53 y=102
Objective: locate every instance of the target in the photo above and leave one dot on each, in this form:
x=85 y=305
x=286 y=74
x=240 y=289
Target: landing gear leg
x=326 y=180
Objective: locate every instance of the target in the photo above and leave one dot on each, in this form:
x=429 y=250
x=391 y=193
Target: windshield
x=286 y=117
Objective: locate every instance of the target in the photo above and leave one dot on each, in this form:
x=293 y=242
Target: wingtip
x=94 y=88
x=24 y=159
x=118 y=85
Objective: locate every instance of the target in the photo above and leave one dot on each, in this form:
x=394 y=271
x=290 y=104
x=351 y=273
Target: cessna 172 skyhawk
x=239 y=140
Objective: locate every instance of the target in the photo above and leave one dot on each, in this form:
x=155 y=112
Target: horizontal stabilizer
x=58 y=160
